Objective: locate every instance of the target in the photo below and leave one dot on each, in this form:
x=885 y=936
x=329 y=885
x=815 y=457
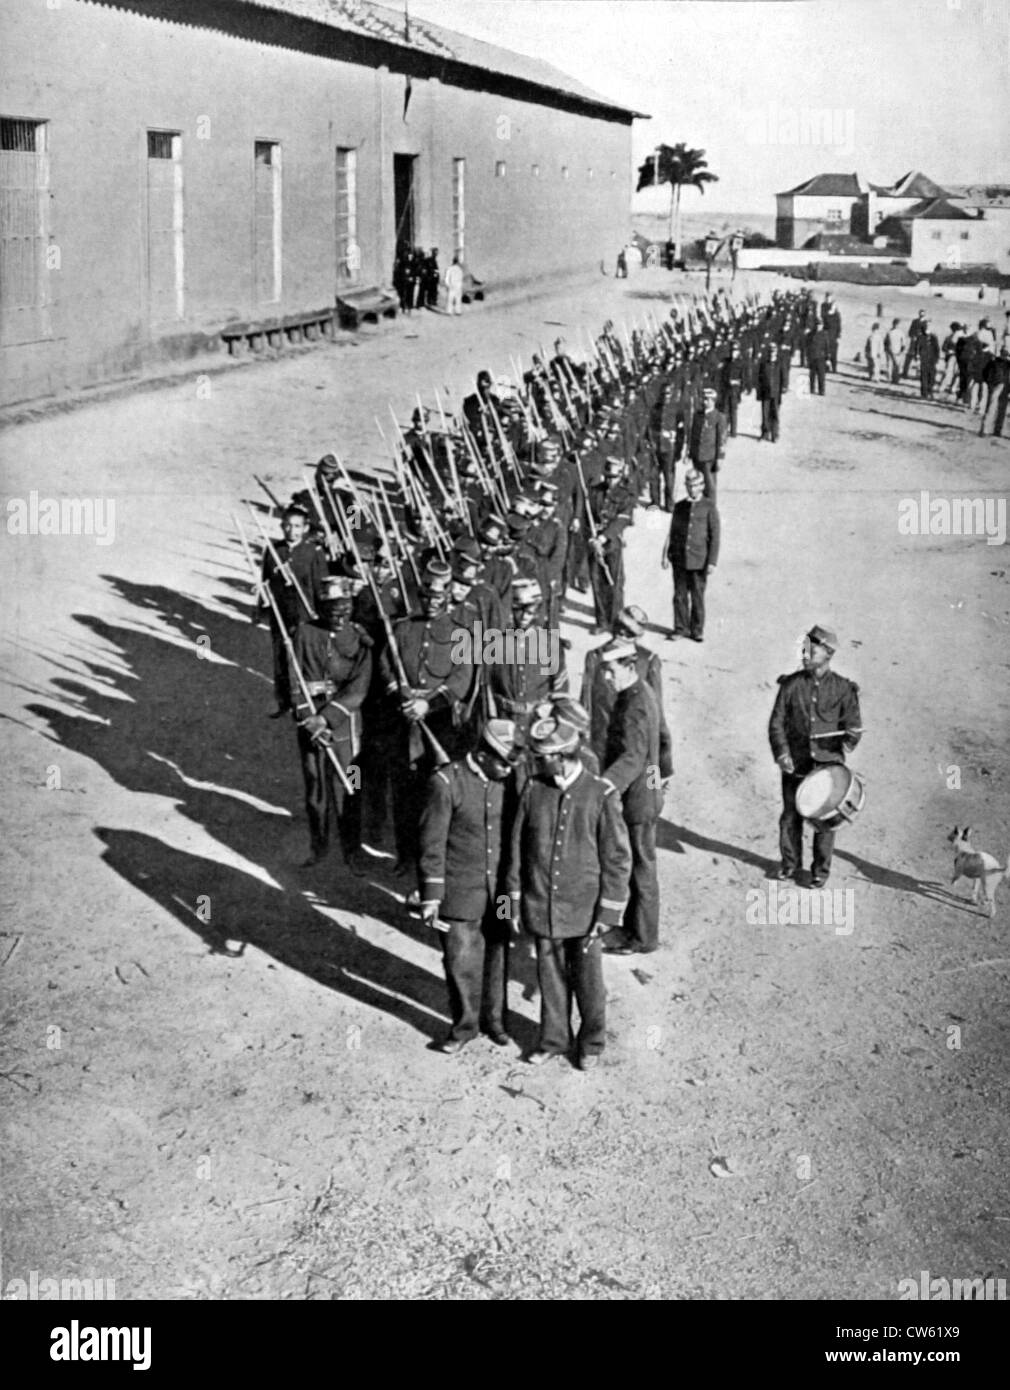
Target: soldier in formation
x=416 y=631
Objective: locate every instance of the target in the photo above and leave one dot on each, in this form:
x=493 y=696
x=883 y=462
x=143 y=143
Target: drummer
x=816 y=720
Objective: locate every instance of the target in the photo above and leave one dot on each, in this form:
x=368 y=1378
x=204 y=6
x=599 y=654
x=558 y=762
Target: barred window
x=267 y=220
x=166 y=263
x=348 y=251
x=24 y=231
x=159 y=144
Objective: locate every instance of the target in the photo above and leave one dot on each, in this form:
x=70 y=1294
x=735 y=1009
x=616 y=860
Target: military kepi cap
x=554 y=736
x=336 y=586
x=437 y=576
x=632 y=619
x=620 y=649
x=824 y=636
x=500 y=736
x=526 y=592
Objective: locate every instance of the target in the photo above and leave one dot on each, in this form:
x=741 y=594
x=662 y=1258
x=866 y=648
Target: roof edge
x=261 y=21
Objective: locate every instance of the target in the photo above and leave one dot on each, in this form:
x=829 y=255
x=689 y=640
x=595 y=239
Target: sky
x=778 y=90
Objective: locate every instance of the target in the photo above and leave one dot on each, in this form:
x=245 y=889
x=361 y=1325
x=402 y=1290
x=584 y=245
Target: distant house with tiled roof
x=820 y=204
x=914 y=219
x=881 y=202
x=942 y=233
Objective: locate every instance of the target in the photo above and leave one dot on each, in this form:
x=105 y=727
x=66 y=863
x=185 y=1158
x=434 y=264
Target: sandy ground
x=218 y=1076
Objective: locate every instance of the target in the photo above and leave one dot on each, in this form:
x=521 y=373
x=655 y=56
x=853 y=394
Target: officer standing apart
x=632 y=764
x=770 y=385
x=707 y=440
x=567 y=881
x=818 y=352
x=692 y=548
x=465 y=825
x=815 y=720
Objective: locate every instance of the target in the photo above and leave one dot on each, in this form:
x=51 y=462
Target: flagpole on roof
x=406 y=38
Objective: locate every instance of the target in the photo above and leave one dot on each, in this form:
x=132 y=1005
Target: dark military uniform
x=516 y=687
x=465 y=828
x=730 y=391
x=598 y=698
x=380 y=713
x=612 y=508
x=477 y=414
x=804 y=707
x=818 y=351
x=769 y=393
x=831 y=319
x=337 y=668
x=568 y=869
x=631 y=764
x=668 y=435
x=692 y=547
x=308 y=564
x=707 y=445
x=426 y=648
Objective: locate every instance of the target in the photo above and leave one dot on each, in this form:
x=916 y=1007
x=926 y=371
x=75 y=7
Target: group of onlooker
x=416 y=278
x=971 y=366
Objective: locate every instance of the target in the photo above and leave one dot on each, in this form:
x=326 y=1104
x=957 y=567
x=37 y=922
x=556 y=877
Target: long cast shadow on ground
x=244 y=911
x=672 y=837
x=171 y=721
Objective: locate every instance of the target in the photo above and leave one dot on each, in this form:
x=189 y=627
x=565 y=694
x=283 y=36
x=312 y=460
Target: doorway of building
x=403 y=201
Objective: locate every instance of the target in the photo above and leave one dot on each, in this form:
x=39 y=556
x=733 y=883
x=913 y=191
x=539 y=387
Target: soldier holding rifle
x=293 y=570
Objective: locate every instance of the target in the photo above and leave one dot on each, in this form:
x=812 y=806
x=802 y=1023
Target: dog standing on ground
x=984 y=868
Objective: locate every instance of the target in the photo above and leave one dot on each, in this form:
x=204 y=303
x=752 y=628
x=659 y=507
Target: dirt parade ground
x=220 y=1070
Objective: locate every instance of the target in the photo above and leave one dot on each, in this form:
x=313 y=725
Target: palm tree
x=679 y=167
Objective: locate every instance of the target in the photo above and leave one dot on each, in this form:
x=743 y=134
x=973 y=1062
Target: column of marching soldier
x=515 y=806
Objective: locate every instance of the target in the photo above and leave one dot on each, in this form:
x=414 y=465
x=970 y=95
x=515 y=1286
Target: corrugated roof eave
x=539 y=77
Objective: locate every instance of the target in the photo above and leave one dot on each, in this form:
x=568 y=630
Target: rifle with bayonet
x=289 y=648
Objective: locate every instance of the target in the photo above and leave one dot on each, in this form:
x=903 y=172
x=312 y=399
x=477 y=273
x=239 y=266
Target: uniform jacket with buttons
x=551 y=545
x=426 y=647
x=805 y=706
x=693 y=543
x=613 y=507
x=570 y=858
x=465 y=826
x=517 y=685
x=598 y=698
x=818 y=345
x=708 y=438
x=307 y=563
x=341 y=660
x=498 y=574
x=769 y=380
x=631 y=757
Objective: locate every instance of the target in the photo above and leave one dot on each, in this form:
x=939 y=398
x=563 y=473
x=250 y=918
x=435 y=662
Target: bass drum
x=830 y=795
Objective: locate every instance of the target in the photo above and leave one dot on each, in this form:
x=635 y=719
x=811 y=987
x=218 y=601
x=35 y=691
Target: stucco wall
x=101 y=78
